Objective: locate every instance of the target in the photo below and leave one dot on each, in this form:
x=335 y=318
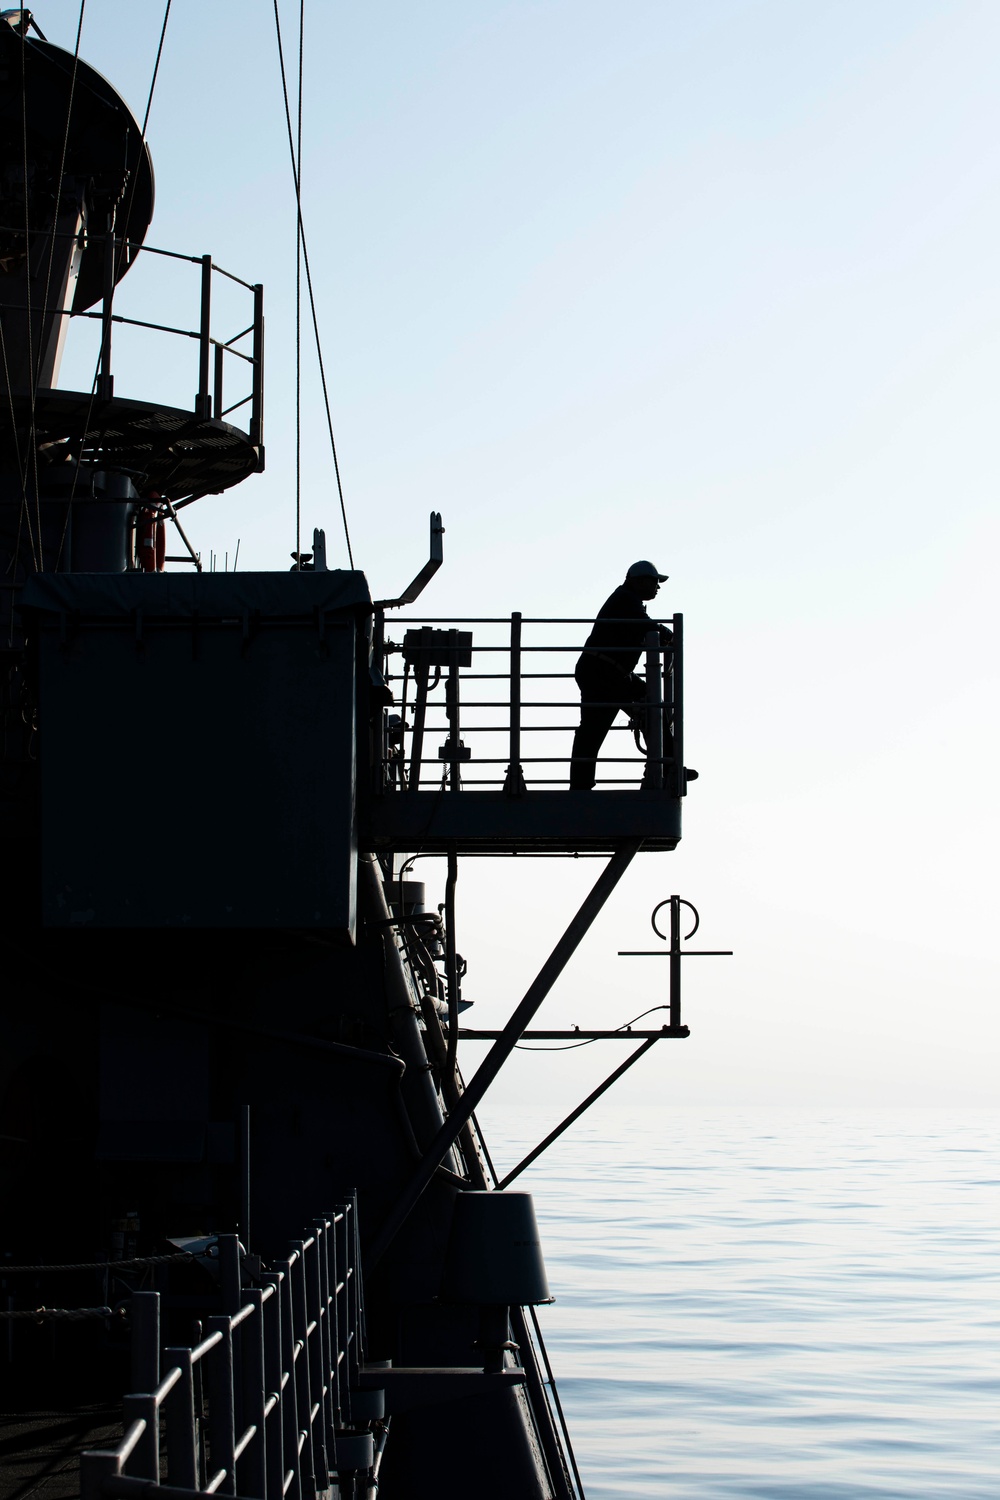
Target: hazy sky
x=713 y=283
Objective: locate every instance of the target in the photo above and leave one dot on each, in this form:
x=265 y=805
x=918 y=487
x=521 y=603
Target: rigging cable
x=32 y=455
x=298 y=303
x=309 y=283
x=37 y=363
x=571 y=1046
x=128 y=215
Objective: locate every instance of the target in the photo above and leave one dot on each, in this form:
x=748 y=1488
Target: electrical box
x=197 y=740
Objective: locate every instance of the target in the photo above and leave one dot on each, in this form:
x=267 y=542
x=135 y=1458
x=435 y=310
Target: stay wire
x=128 y=215
x=298 y=302
x=37 y=362
x=31 y=457
x=59 y=185
x=572 y=1046
x=309 y=284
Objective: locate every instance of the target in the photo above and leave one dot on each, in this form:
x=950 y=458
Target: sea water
x=790 y=1305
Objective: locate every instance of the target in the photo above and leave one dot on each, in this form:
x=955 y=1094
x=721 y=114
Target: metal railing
x=266 y=1402
x=493 y=688
x=209 y=399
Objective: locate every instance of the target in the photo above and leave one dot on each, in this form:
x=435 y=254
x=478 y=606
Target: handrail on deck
x=440 y=651
x=269 y=1401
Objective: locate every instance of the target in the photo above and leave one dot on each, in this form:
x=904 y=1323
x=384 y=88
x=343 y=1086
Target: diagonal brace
x=503 y=1047
x=580 y=1109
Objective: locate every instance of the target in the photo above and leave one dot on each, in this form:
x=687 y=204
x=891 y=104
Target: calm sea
x=773 y=1304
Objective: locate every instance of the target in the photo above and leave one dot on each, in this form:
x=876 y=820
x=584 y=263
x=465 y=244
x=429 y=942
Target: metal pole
x=453 y=714
x=421 y=672
x=514 y=785
x=678 y=705
x=203 y=400
x=220 y=354
x=504 y=1046
x=675 y=962
x=257 y=399
x=653 y=775
x=451 y=966
x=580 y=1109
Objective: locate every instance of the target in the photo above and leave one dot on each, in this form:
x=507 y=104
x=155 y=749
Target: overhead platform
x=556 y=822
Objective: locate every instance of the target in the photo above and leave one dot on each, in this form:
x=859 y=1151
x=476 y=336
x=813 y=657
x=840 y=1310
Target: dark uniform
x=606 y=677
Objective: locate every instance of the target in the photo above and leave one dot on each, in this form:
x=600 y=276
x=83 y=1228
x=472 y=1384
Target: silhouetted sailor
x=606 y=669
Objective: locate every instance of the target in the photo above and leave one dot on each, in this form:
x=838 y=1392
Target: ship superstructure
x=234 y=1120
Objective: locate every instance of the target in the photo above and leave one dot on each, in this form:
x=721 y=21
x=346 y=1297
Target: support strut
x=501 y=1049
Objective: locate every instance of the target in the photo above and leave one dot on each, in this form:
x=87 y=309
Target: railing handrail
x=279 y=1371
x=432 y=659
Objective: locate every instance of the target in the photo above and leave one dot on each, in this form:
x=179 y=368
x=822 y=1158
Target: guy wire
x=128 y=214
x=309 y=284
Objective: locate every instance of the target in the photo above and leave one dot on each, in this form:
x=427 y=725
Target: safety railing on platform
x=493 y=704
x=266 y=1402
x=213 y=351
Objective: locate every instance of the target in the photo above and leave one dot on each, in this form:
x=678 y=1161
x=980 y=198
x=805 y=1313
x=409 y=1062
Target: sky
x=712 y=284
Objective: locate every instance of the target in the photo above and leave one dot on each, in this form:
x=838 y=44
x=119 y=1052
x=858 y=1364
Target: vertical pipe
x=203 y=401
x=653 y=775
x=220 y=354
x=421 y=672
x=675 y=963
x=451 y=966
x=257 y=399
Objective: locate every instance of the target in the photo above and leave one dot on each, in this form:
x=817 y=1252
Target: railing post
x=257 y=400
x=453 y=711
x=253 y=1463
x=222 y=1417
x=653 y=776
x=95 y=1467
x=290 y=1422
x=220 y=354
x=203 y=400
x=145 y=1314
x=105 y=381
x=182 y=1445
x=314 y=1354
x=279 y=1417
x=677 y=695
x=144 y=1460
x=514 y=785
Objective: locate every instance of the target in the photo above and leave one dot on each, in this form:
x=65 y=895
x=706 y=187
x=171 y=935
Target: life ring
x=150 y=541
